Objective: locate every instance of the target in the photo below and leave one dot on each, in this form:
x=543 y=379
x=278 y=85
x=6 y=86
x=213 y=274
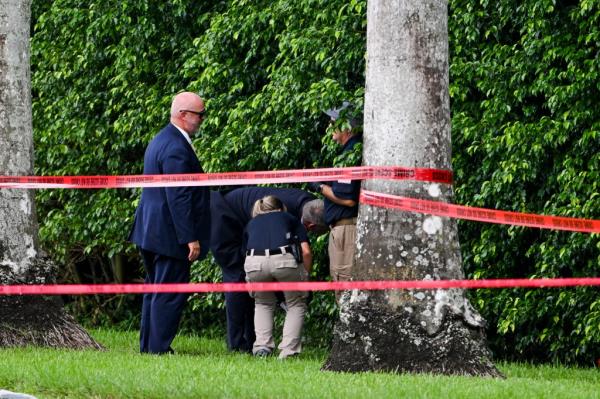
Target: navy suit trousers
x=161 y=313
x=239 y=308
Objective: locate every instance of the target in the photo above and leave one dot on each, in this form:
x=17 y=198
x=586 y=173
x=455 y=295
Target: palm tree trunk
x=24 y=320
x=407 y=123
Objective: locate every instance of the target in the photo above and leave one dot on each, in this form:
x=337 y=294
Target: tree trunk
x=24 y=320
x=407 y=123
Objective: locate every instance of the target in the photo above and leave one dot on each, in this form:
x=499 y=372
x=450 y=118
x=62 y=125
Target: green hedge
x=526 y=126
x=524 y=92
x=103 y=77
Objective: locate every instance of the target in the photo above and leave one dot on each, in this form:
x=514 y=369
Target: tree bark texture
x=407 y=123
x=33 y=320
x=18 y=223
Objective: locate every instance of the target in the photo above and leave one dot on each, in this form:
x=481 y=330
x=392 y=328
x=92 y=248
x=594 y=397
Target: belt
x=267 y=252
x=343 y=222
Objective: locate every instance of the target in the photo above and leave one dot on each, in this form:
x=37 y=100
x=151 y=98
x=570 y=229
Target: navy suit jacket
x=168 y=218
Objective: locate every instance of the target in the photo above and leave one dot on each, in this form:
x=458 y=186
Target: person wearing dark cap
x=277 y=250
x=230 y=212
x=341 y=197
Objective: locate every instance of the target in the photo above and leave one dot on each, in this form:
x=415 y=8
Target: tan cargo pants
x=342 y=242
x=277 y=268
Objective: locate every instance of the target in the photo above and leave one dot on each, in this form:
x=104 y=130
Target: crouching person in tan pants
x=270 y=238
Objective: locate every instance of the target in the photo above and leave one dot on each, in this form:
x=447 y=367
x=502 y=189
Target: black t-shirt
x=345 y=190
x=273 y=230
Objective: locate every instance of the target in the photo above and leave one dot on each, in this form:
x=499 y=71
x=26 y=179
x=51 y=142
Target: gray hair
x=313 y=212
x=267 y=204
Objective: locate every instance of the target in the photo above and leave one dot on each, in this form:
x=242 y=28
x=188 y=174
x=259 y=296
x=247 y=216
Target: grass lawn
x=202 y=368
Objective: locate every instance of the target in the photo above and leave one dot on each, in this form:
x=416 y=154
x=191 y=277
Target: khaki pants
x=277 y=268
x=342 y=242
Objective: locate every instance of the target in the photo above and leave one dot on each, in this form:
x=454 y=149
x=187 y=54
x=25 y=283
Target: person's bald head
x=187 y=111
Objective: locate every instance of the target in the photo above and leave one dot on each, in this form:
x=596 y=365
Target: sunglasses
x=199 y=113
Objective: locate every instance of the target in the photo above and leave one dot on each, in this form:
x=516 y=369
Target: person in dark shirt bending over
x=277 y=250
x=231 y=211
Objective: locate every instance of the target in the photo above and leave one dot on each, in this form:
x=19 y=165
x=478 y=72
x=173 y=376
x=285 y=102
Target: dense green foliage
x=202 y=368
x=526 y=129
x=524 y=92
x=103 y=77
x=103 y=74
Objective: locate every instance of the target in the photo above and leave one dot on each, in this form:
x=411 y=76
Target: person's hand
x=315 y=187
x=194 y=250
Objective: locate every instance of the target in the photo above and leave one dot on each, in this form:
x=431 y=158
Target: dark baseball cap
x=346 y=110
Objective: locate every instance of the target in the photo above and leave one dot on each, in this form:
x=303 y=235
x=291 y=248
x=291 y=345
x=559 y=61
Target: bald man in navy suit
x=172 y=224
